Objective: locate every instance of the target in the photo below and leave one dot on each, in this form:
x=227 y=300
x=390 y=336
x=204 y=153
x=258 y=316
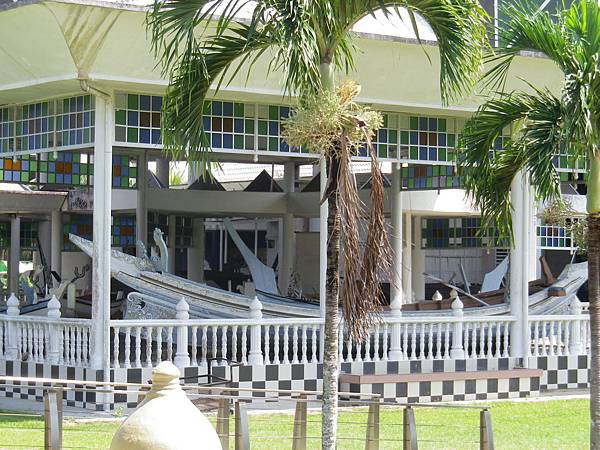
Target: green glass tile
x=273 y=144
x=132 y=134
x=86 y=135
x=124 y=160
x=24 y=176
x=441 y=154
x=51 y=178
x=249 y=126
x=411 y=183
x=65 y=138
x=124 y=182
x=262 y=127
x=385 y=121
x=414 y=123
x=441 y=125
x=238 y=109
x=451 y=140
x=66 y=106
x=133 y=101
x=563 y=162
x=238 y=142
x=393 y=136
x=273 y=112
x=121 y=117
x=45 y=109
x=429 y=182
x=414 y=153
x=43 y=166
x=86 y=102
x=91 y=169
x=435 y=171
x=1 y=175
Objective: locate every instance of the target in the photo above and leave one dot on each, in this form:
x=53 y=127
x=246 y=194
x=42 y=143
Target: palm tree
x=545 y=125
x=308 y=41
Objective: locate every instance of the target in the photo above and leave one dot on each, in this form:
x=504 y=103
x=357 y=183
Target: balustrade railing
x=559 y=335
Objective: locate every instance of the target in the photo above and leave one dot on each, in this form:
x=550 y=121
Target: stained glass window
x=123 y=231
x=75 y=117
x=4 y=234
x=35 y=126
x=429 y=177
x=29 y=234
x=448 y=232
x=428 y=138
x=137 y=118
x=7 y=129
x=160 y=221
x=78 y=224
x=230 y=125
x=386 y=138
x=124 y=171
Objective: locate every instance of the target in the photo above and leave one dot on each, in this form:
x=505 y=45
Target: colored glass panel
x=428 y=138
x=452 y=232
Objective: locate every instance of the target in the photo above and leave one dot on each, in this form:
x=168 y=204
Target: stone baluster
x=54 y=331
x=12 y=334
x=457 y=351
x=575 y=308
x=255 y=356
x=182 y=357
x=395 y=352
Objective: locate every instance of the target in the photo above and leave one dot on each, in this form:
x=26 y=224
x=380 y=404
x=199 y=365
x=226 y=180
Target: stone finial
x=457 y=306
x=166 y=419
x=437 y=297
x=255 y=308
x=575 y=306
x=183 y=310
x=12 y=305
x=54 y=308
x=453 y=294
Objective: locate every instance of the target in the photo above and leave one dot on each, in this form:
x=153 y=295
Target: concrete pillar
x=171 y=244
x=286 y=266
x=533 y=252
x=196 y=254
x=407 y=259
x=141 y=210
x=56 y=238
x=15 y=254
x=162 y=171
x=323 y=211
x=519 y=258
x=396 y=298
x=418 y=261
x=104 y=126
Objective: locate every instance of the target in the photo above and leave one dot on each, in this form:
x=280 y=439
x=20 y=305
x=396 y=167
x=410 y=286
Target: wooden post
x=242 y=438
x=53 y=415
x=372 y=441
x=410 y=430
x=299 y=439
x=223 y=422
x=486 y=433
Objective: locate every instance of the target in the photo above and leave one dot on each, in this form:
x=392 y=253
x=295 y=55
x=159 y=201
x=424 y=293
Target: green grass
x=557 y=424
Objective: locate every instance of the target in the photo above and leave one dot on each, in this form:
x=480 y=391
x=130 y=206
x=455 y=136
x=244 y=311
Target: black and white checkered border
x=562 y=372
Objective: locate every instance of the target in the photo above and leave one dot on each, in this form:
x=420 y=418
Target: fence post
x=182 y=357
x=299 y=438
x=53 y=415
x=486 y=434
x=223 y=422
x=255 y=356
x=53 y=354
x=12 y=338
x=409 y=429
x=242 y=437
x=372 y=441
x=575 y=309
x=456 y=350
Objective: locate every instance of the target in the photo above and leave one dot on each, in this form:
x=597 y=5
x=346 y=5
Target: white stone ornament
x=166 y=419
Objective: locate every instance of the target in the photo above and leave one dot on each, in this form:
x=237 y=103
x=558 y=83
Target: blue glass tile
x=432 y=124
x=38 y=141
x=156 y=136
x=423 y=153
x=382 y=136
x=283 y=146
x=442 y=139
x=86 y=119
x=216 y=140
x=206 y=123
x=132 y=118
x=284 y=111
x=228 y=141
x=414 y=138
x=1 y=164
x=59 y=178
x=79 y=138
x=238 y=125
x=25 y=164
x=31 y=110
x=8 y=175
x=423 y=123
x=124 y=171
x=68 y=178
x=273 y=128
x=75 y=169
x=72 y=104
x=144 y=135
x=80 y=103
x=116 y=230
x=145 y=103
x=116 y=181
x=217 y=108
x=227 y=109
x=72 y=137
x=432 y=154
x=156 y=103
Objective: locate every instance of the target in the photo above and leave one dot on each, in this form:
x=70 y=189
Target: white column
x=323 y=211
x=418 y=262
x=519 y=258
x=171 y=247
x=407 y=259
x=56 y=237
x=533 y=252
x=162 y=171
x=286 y=266
x=396 y=241
x=15 y=254
x=141 y=210
x=196 y=253
x=527 y=269
x=104 y=129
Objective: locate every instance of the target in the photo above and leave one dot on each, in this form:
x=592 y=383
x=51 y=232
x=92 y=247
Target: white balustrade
x=560 y=335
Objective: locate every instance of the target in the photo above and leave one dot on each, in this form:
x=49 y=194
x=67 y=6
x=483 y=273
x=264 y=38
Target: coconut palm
x=203 y=44
x=544 y=125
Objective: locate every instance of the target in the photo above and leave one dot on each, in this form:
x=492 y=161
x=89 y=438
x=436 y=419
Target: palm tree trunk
x=594 y=299
x=330 y=351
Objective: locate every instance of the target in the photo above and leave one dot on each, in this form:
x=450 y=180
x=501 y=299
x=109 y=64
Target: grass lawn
x=560 y=424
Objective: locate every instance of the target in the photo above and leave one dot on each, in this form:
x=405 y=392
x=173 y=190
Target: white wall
x=443 y=263
x=307 y=262
x=70 y=260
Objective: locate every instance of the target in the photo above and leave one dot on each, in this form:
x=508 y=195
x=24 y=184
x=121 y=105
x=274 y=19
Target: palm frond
x=533 y=147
